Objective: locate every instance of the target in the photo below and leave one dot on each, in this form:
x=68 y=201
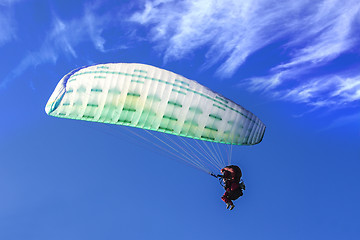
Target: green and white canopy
x=152 y=98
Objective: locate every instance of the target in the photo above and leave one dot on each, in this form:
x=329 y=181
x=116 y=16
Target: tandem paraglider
x=230 y=179
x=185 y=119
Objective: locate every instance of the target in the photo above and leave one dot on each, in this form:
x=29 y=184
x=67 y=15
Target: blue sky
x=296 y=65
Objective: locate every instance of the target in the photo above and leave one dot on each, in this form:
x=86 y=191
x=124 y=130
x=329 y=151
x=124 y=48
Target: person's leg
x=229 y=204
x=226 y=199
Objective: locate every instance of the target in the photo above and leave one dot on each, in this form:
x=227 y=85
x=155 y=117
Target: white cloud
x=232 y=29
x=7 y=23
x=325 y=34
x=317 y=32
x=66 y=35
x=264 y=84
x=336 y=91
x=63 y=38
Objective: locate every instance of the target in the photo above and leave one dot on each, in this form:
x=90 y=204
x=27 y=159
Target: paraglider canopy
x=150 y=98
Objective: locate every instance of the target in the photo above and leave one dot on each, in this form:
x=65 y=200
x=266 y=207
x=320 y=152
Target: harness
x=222 y=182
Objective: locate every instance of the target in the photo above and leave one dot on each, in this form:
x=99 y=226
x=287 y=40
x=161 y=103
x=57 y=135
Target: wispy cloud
x=332 y=90
x=63 y=39
x=232 y=29
x=7 y=23
x=325 y=33
x=67 y=35
x=345 y=120
x=326 y=91
x=316 y=33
